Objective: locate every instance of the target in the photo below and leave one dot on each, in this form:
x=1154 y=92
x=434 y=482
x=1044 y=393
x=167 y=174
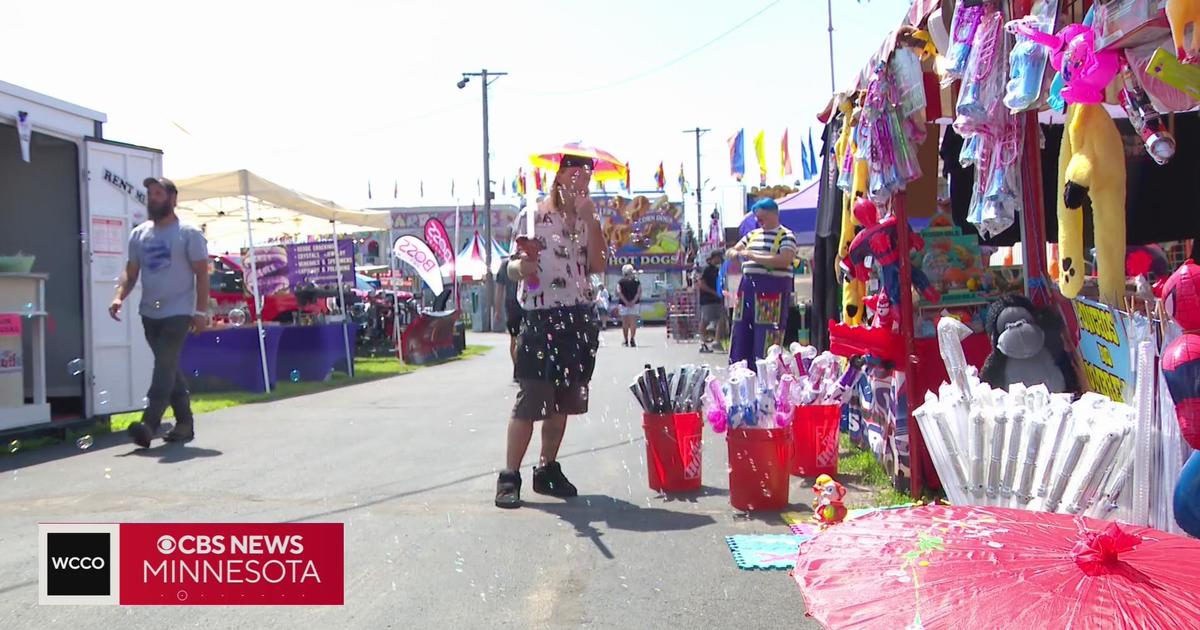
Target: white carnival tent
x=225 y=203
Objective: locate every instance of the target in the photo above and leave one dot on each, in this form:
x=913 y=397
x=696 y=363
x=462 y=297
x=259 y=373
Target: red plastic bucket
x=815 y=440
x=758 y=468
x=673 y=446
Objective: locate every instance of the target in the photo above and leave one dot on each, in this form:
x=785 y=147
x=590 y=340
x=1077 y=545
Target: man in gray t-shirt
x=171 y=258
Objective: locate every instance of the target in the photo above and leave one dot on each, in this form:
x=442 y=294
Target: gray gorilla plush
x=1027 y=347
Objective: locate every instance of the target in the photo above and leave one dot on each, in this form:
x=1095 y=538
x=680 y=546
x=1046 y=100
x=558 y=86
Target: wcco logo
x=77 y=563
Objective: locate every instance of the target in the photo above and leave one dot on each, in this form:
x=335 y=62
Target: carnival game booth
x=62 y=248
x=976 y=98
x=290 y=323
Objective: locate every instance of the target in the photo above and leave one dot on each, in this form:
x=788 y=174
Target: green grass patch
x=366 y=369
x=866 y=470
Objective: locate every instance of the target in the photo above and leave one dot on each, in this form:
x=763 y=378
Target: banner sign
x=10 y=325
x=192 y=564
x=641 y=232
x=430 y=337
x=439 y=240
x=282 y=268
x=415 y=253
x=1104 y=346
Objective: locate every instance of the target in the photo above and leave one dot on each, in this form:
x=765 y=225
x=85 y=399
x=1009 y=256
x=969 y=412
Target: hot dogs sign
x=640 y=231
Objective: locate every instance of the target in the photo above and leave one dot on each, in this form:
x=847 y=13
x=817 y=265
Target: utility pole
x=490 y=284
x=829 y=13
x=699 y=185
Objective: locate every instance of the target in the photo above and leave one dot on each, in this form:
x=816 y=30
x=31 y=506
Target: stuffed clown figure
x=1091 y=164
x=829 y=506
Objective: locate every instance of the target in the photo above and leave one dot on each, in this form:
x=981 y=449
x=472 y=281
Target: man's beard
x=157 y=212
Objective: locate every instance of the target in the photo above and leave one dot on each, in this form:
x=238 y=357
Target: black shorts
x=556 y=355
x=513 y=323
x=537 y=400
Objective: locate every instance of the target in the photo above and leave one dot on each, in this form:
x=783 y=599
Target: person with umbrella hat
x=560 y=244
x=765 y=293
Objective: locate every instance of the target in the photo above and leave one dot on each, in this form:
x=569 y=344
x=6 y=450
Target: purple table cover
x=313 y=353
x=220 y=360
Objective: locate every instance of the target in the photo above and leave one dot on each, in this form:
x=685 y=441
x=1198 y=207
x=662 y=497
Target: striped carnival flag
x=660 y=178
x=785 y=155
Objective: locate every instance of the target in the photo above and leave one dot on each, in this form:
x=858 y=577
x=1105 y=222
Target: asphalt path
x=409 y=465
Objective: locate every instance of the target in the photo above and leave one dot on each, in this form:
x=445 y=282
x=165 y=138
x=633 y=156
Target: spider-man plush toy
x=1181 y=369
x=879 y=240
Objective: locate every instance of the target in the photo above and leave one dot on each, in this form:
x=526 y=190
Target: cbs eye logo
x=165 y=544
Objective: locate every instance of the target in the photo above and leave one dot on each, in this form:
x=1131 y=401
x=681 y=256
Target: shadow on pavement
x=49 y=453
x=173 y=453
x=585 y=510
x=454 y=482
x=693 y=497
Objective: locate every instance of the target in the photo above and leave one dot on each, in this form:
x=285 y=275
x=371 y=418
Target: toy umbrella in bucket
x=998 y=568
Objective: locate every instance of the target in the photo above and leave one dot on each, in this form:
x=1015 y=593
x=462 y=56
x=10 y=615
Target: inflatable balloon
x=1181 y=358
x=1187 y=496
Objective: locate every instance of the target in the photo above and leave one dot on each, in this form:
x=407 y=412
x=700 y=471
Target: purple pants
x=759 y=316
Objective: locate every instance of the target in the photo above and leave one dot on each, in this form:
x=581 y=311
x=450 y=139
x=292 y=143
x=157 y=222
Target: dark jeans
x=168 y=385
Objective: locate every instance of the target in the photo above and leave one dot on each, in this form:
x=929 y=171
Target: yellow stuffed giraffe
x=1091 y=164
x=1184 y=15
x=853 y=290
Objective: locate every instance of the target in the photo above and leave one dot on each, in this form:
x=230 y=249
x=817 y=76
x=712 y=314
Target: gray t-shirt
x=165 y=255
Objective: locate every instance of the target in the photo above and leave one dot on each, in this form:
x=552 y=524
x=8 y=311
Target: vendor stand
x=223 y=203
x=1123 y=30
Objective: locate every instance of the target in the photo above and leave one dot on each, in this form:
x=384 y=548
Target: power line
x=663 y=66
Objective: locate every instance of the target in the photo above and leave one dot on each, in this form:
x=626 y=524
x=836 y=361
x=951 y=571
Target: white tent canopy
x=216 y=203
x=273 y=212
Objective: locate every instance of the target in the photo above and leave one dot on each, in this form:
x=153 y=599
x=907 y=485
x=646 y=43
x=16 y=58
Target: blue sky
x=324 y=96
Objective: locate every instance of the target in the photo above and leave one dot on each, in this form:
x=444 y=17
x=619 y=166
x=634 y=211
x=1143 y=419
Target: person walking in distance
x=765 y=293
x=171 y=259
x=561 y=244
x=712 y=304
x=629 y=289
x=512 y=308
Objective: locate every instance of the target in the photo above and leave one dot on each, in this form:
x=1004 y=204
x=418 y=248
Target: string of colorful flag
x=809 y=166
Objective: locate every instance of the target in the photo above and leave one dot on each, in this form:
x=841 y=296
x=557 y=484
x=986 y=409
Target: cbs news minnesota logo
x=78 y=563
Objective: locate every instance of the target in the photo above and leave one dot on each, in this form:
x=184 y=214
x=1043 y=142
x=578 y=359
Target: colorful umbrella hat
x=997 y=568
x=607 y=166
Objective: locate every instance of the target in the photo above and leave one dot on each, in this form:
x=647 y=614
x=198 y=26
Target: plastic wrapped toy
x=1159 y=142
x=1073 y=53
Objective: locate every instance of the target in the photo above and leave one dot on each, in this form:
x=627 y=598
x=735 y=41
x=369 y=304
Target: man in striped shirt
x=765 y=293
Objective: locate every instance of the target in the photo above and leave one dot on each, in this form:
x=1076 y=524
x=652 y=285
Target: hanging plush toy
x=1091 y=164
x=879 y=241
x=1026 y=347
x=853 y=290
x=1183 y=14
